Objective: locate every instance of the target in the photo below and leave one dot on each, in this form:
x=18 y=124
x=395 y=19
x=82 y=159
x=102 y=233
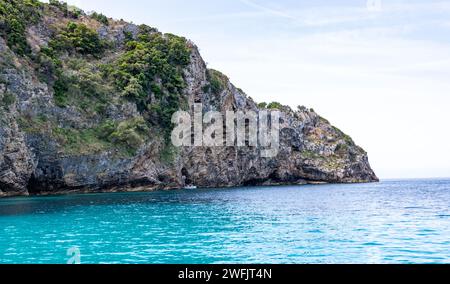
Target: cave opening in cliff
x=185 y=176
x=34 y=186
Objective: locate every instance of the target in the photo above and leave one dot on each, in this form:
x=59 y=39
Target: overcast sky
x=380 y=71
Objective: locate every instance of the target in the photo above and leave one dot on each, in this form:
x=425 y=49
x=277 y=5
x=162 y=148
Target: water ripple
x=390 y=222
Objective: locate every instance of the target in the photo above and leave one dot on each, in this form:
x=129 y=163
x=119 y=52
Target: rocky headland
x=86 y=104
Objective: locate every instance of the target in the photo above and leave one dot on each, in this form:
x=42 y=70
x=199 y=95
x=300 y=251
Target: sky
x=378 y=69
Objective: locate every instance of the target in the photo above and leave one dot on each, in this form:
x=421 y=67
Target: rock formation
x=84 y=103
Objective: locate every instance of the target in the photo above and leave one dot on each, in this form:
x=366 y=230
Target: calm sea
x=402 y=221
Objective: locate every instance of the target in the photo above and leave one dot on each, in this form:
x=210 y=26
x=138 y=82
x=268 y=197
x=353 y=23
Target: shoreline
x=146 y=189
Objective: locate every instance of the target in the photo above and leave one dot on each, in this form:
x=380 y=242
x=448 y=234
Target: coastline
x=66 y=139
x=147 y=189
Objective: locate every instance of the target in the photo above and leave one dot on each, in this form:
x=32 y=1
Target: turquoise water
x=404 y=221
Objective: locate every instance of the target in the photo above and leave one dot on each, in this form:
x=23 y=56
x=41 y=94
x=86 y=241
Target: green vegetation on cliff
x=150 y=73
x=72 y=84
x=68 y=11
x=15 y=16
x=101 y=18
x=8 y=99
x=272 y=105
x=78 y=38
x=89 y=74
x=217 y=82
x=126 y=137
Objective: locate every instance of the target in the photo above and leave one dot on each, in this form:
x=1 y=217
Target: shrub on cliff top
x=62 y=6
x=101 y=18
x=275 y=105
x=272 y=105
x=68 y=11
x=262 y=105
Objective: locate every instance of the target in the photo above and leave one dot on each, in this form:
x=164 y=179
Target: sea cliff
x=86 y=104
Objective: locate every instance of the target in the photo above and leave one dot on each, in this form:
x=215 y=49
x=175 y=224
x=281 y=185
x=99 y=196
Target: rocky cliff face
x=85 y=120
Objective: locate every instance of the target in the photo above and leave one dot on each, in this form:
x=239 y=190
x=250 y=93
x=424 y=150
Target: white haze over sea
x=380 y=72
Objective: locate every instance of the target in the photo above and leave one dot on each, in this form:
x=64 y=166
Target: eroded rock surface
x=41 y=151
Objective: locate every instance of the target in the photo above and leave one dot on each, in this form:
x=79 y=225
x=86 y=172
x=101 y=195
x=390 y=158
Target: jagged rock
x=16 y=161
x=34 y=161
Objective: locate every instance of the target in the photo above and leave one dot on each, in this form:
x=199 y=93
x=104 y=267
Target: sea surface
x=396 y=221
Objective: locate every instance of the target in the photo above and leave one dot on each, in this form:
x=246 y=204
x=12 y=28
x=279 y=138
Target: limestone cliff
x=86 y=101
